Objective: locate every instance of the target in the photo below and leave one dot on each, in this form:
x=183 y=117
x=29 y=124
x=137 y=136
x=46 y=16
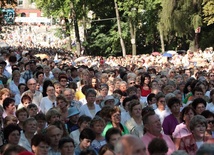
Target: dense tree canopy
x=145 y=25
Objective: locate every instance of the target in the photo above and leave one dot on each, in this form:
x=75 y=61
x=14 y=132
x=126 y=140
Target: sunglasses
x=210 y=122
x=132 y=83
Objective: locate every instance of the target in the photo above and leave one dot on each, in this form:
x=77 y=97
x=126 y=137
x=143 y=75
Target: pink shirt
x=147 y=138
x=181 y=131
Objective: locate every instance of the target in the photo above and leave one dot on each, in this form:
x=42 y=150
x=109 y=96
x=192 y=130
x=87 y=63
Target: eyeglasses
x=210 y=122
x=132 y=83
x=162 y=101
x=32 y=83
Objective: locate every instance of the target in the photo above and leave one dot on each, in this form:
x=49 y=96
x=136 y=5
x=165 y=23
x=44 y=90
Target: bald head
x=130 y=145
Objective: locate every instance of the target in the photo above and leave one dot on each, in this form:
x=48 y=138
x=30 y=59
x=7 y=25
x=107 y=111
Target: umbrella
x=167 y=55
x=181 y=52
x=80 y=59
x=155 y=53
x=171 y=52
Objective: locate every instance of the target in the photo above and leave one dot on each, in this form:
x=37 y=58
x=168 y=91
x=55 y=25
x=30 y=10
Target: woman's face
x=199 y=130
x=84 y=125
x=104 y=91
x=147 y=80
x=5 y=95
x=31 y=127
x=41 y=149
x=175 y=108
x=210 y=123
x=16 y=77
x=93 y=82
x=61 y=104
x=14 y=137
x=161 y=102
x=200 y=108
x=188 y=116
x=136 y=111
x=91 y=98
x=26 y=102
x=116 y=117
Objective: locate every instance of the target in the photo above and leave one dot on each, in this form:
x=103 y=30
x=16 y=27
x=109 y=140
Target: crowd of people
x=147 y=104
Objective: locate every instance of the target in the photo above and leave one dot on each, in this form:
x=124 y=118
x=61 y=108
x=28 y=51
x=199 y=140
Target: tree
x=208 y=11
x=131 y=10
x=179 y=18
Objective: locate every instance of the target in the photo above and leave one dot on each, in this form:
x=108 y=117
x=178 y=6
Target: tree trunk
x=162 y=41
x=133 y=38
x=119 y=30
x=76 y=28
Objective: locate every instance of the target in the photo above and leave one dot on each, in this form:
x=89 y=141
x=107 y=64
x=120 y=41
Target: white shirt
x=85 y=111
x=24 y=142
x=46 y=104
x=162 y=114
x=210 y=107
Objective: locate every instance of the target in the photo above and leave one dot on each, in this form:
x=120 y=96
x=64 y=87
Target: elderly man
x=36 y=95
x=130 y=145
x=152 y=124
x=55 y=134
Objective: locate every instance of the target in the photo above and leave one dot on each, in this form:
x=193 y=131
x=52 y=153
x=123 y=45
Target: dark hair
x=143 y=77
x=150 y=96
x=207 y=114
x=20 y=111
x=197 y=101
x=38 y=73
x=38 y=138
x=10 y=128
x=40 y=116
x=146 y=117
x=7 y=102
x=172 y=101
x=88 y=152
x=64 y=140
x=87 y=133
x=185 y=111
x=127 y=99
x=105 y=148
x=211 y=93
x=25 y=97
x=82 y=119
x=22 y=84
x=196 y=89
x=110 y=132
x=45 y=86
x=130 y=89
x=157 y=146
x=9 y=148
x=90 y=91
x=32 y=105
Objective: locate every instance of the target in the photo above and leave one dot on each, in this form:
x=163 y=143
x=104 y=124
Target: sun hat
x=72 y=111
x=109 y=97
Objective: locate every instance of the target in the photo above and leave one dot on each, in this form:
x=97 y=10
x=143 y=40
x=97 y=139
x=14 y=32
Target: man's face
x=11 y=108
x=198 y=94
x=55 y=135
x=138 y=148
x=67 y=148
x=31 y=84
x=154 y=124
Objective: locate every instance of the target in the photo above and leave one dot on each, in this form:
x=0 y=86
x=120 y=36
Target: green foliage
x=208 y=11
